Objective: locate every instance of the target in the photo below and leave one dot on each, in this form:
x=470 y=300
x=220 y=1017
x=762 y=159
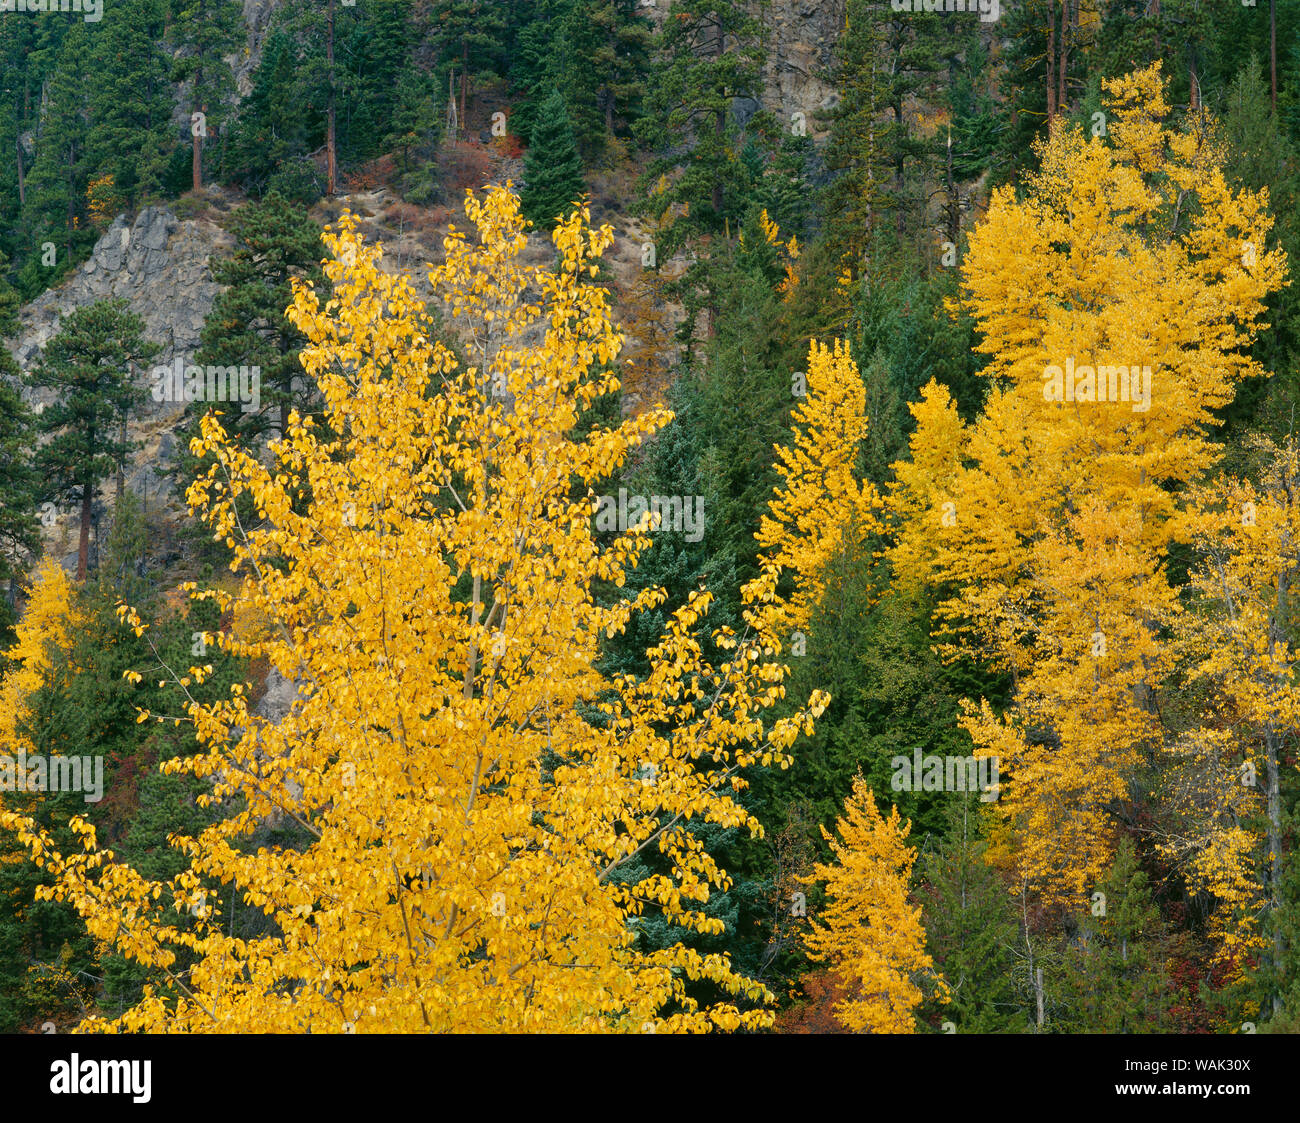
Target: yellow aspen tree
x=1238 y=654
x=867 y=932
x=922 y=501
x=48 y=623
x=819 y=507
x=471 y=788
x=1115 y=301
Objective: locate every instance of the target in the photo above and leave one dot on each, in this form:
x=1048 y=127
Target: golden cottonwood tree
x=48 y=623
x=1236 y=644
x=1115 y=302
x=867 y=932
x=470 y=787
x=819 y=507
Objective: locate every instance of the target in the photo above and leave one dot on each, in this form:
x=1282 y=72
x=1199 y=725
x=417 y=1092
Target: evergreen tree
x=271 y=129
x=19 y=536
x=56 y=208
x=373 y=47
x=469 y=37
x=130 y=101
x=552 y=168
x=416 y=127
x=970 y=929
x=709 y=55
x=91 y=366
x=29 y=54
x=275 y=241
x=204 y=32
x=1115 y=978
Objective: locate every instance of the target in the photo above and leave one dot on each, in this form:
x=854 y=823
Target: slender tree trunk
x=453 y=121
x=1067 y=27
x=899 y=170
x=196 y=156
x=1051 y=62
x=18 y=140
x=121 y=464
x=1275 y=858
x=954 y=204
x=331 y=152
x=464 y=76
x=83 y=544
x=70 y=219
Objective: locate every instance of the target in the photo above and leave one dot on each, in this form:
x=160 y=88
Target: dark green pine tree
x=855 y=152
x=19 y=534
x=143 y=806
x=1115 y=968
x=415 y=126
x=916 y=46
x=709 y=55
x=271 y=131
x=204 y=32
x=56 y=189
x=552 y=168
x=131 y=100
x=93 y=366
x=971 y=928
x=620 y=60
x=469 y=40
x=533 y=64
x=599 y=61
x=739 y=394
x=274 y=242
x=1261 y=155
x=29 y=53
x=374 y=51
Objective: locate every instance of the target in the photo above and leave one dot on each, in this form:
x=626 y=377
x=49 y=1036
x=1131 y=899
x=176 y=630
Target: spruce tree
x=19 y=534
x=552 y=169
x=271 y=130
x=205 y=32
x=970 y=929
x=56 y=207
x=469 y=37
x=415 y=124
x=1115 y=973
x=92 y=365
x=131 y=136
x=275 y=241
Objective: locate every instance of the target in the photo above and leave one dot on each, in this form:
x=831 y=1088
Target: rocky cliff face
x=800 y=46
x=158 y=264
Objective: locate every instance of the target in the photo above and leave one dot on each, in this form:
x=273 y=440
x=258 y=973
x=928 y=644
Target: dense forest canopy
x=671 y=516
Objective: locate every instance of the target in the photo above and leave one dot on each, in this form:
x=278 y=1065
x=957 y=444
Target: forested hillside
x=650 y=516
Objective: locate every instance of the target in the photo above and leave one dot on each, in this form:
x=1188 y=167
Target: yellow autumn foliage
x=1116 y=301
x=868 y=933
x=471 y=790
